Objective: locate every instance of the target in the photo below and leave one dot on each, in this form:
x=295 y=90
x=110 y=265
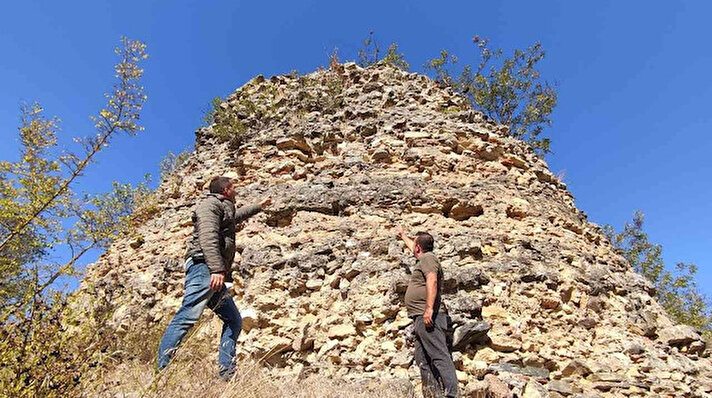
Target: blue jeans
x=197 y=296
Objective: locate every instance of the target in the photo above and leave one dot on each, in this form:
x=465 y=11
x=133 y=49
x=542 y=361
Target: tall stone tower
x=541 y=302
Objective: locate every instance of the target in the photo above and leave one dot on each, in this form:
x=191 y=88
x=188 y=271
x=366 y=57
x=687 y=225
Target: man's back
x=213 y=239
x=415 y=294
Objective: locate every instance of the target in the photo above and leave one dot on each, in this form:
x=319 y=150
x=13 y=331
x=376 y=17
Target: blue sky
x=632 y=129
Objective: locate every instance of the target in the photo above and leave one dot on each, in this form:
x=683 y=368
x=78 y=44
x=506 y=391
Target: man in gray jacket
x=208 y=266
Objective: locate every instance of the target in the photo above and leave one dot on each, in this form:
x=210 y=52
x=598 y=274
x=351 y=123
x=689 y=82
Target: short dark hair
x=425 y=241
x=220 y=184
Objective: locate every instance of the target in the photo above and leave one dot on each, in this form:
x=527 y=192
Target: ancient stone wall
x=541 y=303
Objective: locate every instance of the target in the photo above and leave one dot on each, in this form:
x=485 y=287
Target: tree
x=676 y=291
x=506 y=89
x=370 y=54
x=43 y=217
x=170 y=163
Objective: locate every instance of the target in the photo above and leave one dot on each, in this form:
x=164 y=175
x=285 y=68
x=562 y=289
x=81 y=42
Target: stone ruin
x=542 y=304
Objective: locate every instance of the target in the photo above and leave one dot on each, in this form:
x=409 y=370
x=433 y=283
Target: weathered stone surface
x=381 y=155
x=496 y=388
x=679 y=335
x=535 y=390
x=588 y=323
x=465 y=306
x=504 y=343
x=346 y=154
x=249 y=319
x=531 y=371
x=608 y=377
x=535 y=372
x=610 y=385
x=341 y=331
x=475 y=368
x=303 y=342
x=474 y=332
x=550 y=302
x=493 y=311
x=402 y=359
x=463 y=211
x=476 y=389
x=299 y=143
x=561 y=387
x=576 y=367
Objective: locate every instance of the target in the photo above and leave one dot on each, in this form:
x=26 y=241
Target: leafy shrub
x=676 y=291
x=506 y=89
x=370 y=54
x=40 y=213
x=226 y=125
x=171 y=163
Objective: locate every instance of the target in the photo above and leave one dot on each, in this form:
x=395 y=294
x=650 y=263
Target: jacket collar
x=217 y=195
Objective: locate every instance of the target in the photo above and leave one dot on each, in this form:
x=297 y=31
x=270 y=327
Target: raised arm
x=245 y=212
x=409 y=242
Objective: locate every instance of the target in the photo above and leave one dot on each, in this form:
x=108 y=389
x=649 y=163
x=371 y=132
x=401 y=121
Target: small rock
x=504 y=367
x=136 y=242
x=607 y=377
x=518 y=209
x=249 y=319
x=515 y=161
x=560 y=387
x=462 y=377
x=463 y=211
x=476 y=389
x=476 y=367
x=402 y=359
x=678 y=335
x=595 y=304
x=550 y=302
x=635 y=349
x=576 y=367
x=414 y=135
x=381 y=155
x=610 y=385
x=534 y=390
x=588 y=323
x=490 y=152
x=466 y=306
x=504 y=343
x=697 y=347
x=473 y=332
x=493 y=311
x=313 y=284
x=496 y=388
x=293 y=143
x=487 y=355
x=303 y=342
x=341 y=331
x=465 y=278
x=536 y=372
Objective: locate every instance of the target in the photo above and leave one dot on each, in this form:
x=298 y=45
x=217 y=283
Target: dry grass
x=137 y=380
x=194 y=373
x=200 y=379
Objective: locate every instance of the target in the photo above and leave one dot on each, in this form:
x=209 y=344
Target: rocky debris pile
x=542 y=305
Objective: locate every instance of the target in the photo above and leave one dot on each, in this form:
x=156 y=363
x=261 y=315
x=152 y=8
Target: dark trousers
x=433 y=357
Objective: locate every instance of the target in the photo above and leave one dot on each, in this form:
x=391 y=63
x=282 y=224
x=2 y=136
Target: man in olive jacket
x=208 y=266
x=423 y=300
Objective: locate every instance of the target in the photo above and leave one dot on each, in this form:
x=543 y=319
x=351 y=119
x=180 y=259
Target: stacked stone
x=542 y=304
